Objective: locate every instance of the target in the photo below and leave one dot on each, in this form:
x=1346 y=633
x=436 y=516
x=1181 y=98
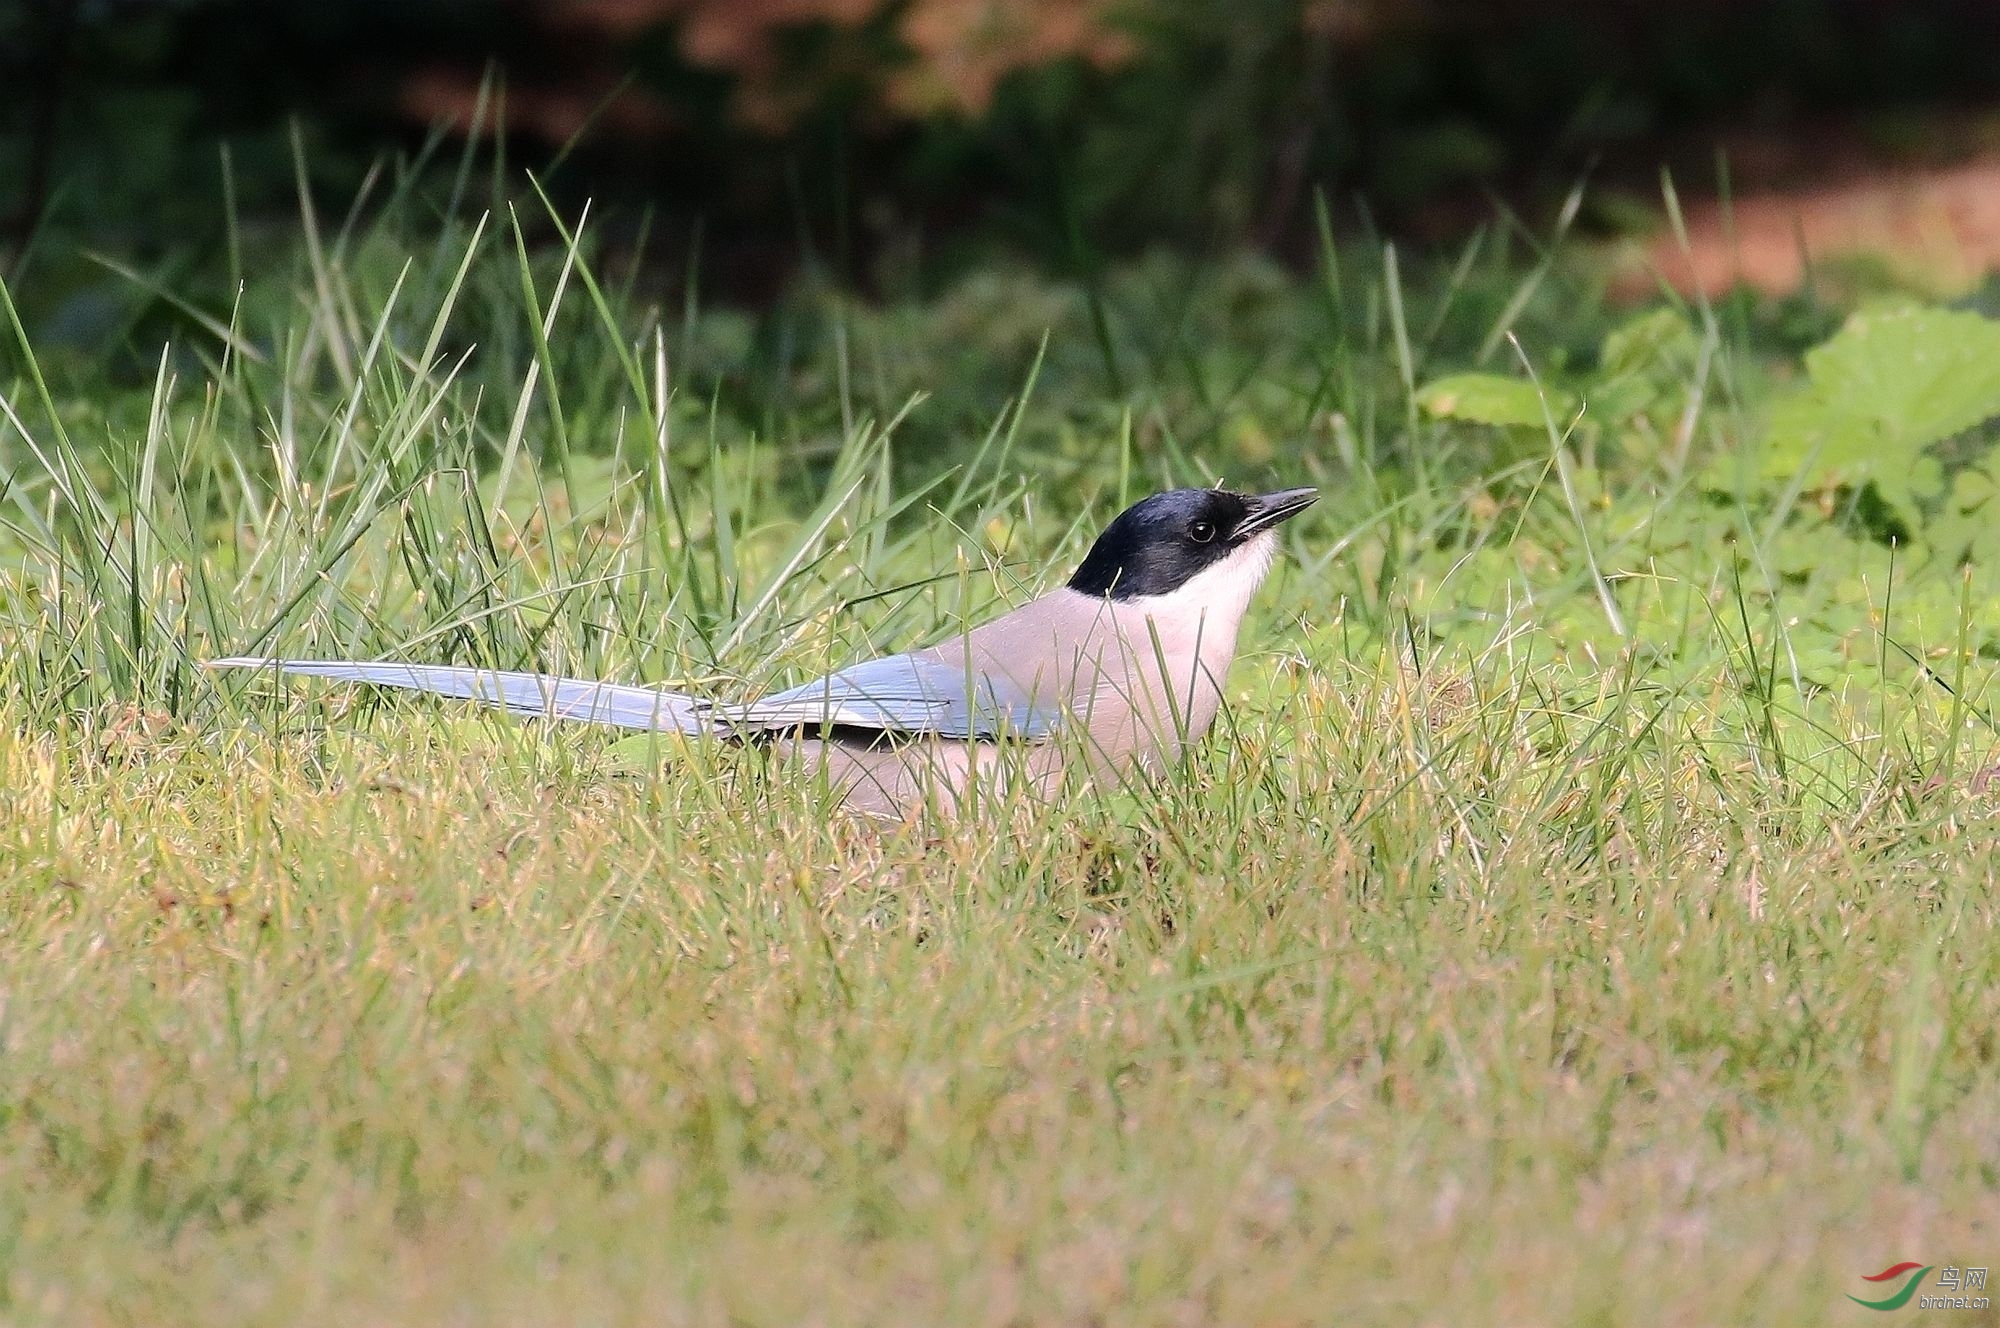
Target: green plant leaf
x=1889 y=385
x=1645 y=364
x=1660 y=342
x=1491 y=399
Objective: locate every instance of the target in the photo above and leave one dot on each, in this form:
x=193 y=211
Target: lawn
x=1583 y=913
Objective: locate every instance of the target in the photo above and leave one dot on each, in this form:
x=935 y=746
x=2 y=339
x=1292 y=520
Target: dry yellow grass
x=431 y=1019
x=1584 y=914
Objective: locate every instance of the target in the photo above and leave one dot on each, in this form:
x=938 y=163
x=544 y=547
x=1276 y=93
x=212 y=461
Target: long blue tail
x=532 y=694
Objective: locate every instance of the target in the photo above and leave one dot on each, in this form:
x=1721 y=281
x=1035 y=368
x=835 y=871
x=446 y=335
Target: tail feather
x=535 y=695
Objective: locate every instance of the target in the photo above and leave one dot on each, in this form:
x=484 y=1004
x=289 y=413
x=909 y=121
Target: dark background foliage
x=839 y=131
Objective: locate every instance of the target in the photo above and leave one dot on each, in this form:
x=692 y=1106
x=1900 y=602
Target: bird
x=1116 y=673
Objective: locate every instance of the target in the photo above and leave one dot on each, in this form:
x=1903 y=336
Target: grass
x=1584 y=913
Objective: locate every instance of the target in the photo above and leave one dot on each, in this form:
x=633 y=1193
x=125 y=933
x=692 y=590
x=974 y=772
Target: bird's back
x=1137 y=685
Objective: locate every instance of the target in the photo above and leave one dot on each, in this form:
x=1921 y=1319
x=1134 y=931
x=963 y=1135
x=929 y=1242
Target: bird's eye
x=1201 y=532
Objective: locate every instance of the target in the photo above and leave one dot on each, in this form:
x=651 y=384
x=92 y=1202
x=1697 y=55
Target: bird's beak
x=1267 y=510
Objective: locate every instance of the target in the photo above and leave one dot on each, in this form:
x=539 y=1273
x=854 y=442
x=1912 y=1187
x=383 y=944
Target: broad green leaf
x=1963 y=526
x=1491 y=399
x=1889 y=385
x=1645 y=364
x=1661 y=342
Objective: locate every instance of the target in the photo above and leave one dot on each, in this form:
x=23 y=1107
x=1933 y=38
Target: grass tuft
x=1583 y=913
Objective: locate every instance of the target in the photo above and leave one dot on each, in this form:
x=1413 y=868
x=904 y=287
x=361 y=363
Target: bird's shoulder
x=923 y=692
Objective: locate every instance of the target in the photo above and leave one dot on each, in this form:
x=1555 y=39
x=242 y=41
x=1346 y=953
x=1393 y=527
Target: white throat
x=1219 y=594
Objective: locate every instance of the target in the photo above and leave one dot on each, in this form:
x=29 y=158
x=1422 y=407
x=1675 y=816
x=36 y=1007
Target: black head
x=1156 y=545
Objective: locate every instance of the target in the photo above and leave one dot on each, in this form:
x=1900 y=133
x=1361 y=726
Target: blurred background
x=889 y=144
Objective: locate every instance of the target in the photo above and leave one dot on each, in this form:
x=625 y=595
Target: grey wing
x=912 y=694
x=532 y=694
